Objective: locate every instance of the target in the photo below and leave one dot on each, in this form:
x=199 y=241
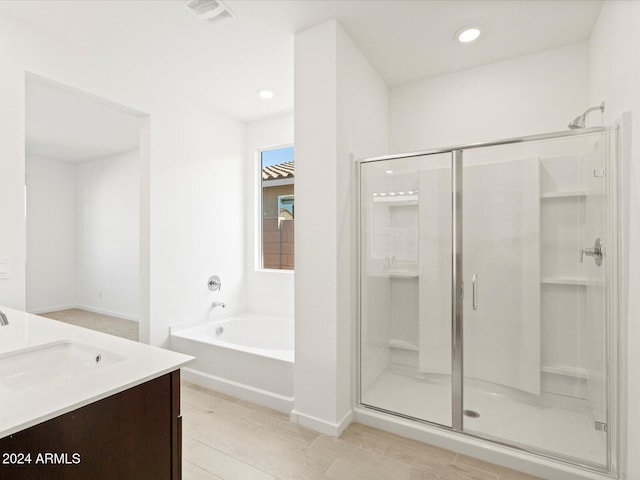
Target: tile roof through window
x=278 y=171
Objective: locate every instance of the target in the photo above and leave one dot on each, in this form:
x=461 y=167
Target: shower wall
x=558 y=340
x=614 y=77
x=536 y=93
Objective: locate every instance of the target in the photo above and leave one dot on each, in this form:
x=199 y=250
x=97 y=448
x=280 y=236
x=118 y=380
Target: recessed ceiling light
x=265 y=93
x=467 y=34
x=388 y=171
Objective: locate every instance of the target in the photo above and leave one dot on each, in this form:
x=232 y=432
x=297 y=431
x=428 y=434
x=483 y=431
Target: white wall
x=341 y=109
x=362 y=131
x=615 y=78
x=51 y=234
x=315 y=370
x=82 y=235
x=197 y=219
x=536 y=93
x=107 y=228
x=268 y=291
x=192 y=163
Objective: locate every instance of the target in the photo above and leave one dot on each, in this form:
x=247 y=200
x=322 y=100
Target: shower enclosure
x=488 y=283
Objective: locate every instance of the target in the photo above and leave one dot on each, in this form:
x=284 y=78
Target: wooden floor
x=227 y=438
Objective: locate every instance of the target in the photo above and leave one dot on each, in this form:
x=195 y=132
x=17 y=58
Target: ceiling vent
x=209 y=10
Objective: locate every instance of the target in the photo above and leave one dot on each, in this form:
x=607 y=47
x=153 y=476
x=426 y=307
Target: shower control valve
x=595 y=252
x=214 y=283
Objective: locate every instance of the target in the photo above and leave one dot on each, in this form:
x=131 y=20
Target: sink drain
x=470 y=413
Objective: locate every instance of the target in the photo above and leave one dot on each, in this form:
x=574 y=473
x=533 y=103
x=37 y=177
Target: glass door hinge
x=600 y=172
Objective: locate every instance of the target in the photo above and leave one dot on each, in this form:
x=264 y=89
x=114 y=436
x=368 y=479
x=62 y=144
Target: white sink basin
x=57 y=361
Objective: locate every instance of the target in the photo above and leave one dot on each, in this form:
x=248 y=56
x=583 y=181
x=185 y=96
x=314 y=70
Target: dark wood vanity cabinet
x=132 y=435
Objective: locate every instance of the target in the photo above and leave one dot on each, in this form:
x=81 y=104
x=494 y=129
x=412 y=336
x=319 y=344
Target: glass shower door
x=534 y=306
x=405 y=286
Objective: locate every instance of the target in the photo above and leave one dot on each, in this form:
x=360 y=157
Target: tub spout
x=218 y=304
x=3 y=319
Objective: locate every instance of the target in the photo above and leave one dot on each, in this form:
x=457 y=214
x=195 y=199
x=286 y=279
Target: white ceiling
x=67 y=125
x=225 y=63
x=408 y=40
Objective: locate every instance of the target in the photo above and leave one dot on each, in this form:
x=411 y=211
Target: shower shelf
x=564 y=281
x=566 y=194
x=581 y=282
x=402 y=275
x=566 y=370
x=395 y=275
x=403 y=345
x=397 y=201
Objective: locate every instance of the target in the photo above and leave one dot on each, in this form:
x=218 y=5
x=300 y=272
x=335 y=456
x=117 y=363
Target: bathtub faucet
x=3 y=319
x=218 y=304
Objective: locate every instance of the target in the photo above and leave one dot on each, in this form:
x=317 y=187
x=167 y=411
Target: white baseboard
x=322 y=426
x=121 y=315
x=124 y=316
x=38 y=311
x=239 y=390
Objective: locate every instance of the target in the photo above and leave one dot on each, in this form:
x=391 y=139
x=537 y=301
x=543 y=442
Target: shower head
x=579 y=121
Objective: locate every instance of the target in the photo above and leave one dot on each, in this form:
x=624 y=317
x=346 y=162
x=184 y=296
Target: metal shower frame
x=613 y=186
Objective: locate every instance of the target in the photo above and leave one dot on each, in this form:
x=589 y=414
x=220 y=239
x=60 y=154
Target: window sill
x=277 y=271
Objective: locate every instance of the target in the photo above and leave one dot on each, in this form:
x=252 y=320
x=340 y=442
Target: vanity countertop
x=67 y=381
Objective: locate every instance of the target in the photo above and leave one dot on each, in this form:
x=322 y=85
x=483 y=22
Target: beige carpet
x=96 y=321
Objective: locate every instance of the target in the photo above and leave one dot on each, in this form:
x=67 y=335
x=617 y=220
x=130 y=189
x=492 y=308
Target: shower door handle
x=474 y=299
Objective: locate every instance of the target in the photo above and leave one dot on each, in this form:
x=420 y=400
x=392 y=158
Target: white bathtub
x=248 y=356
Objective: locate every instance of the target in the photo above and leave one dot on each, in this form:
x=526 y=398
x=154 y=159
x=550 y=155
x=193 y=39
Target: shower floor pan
x=552 y=428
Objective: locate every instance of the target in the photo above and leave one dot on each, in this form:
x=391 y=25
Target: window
x=278 y=208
